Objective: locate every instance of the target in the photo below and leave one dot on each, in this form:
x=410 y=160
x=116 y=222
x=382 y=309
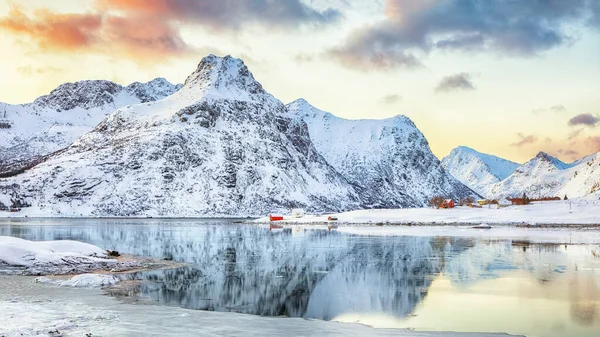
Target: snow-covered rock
x=479 y=171
x=221 y=145
x=50 y=257
x=52 y=122
x=81 y=281
x=388 y=160
x=546 y=176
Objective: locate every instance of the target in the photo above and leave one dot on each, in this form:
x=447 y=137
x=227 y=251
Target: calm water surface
x=427 y=283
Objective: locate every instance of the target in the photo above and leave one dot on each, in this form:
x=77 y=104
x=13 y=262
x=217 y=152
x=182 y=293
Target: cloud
x=54 y=31
x=595 y=18
x=227 y=14
x=303 y=57
x=575 y=133
x=373 y=60
x=391 y=99
x=460 y=81
x=523 y=140
x=556 y=109
x=569 y=153
x=150 y=30
x=137 y=37
x=593 y=143
x=584 y=119
x=29 y=70
x=512 y=28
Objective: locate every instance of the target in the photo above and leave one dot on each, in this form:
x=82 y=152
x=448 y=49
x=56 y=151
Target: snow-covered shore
x=562 y=212
x=32 y=309
x=23 y=257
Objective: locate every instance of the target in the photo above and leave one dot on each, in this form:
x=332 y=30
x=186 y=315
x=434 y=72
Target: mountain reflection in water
x=316 y=273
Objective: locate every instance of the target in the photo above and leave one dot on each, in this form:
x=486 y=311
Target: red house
x=275 y=217
x=448 y=203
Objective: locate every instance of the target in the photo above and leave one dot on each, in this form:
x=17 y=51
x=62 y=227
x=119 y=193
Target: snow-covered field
x=585 y=211
x=23 y=257
x=32 y=309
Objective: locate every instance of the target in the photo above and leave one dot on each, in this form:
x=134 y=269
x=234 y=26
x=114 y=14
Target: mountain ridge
x=52 y=122
x=219 y=146
x=388 y=158
x=479 y=171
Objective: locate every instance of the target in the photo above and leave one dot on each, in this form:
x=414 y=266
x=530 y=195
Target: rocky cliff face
x=388 y=161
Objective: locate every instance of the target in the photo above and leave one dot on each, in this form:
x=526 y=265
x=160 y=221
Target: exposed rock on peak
x=224 y=77
x=54 y=121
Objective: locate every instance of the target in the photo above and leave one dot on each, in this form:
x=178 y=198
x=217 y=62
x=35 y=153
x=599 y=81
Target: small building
x=483 y=202
x=298 y=213
x=518 y=201
x=448 y=203
x=274 y=217
x=504 y=203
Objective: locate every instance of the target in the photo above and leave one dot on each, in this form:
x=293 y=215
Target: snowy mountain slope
x=54 y=121
x=389 y=160
x=479 y=171
x=219 y=146
x=585 y=179
x=546 y=176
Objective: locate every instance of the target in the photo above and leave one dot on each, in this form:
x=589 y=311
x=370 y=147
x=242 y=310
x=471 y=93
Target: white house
x=504 y=202
x=298 y=213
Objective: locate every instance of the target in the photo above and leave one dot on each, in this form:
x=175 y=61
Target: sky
x=505 y=77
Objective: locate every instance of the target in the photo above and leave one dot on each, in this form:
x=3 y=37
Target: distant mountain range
x=477 y=170
x=218 y=145
x=542 y=176
x=54 y=121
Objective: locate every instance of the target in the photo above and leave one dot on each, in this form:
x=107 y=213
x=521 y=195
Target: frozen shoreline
x=32 y=309
x=562 y=213
x=63 y=257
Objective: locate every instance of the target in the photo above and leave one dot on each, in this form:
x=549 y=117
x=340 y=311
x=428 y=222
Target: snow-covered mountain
x=546 y=176
x=389 y=160
x=479 y=171
x=221 y=145
x=54 y=121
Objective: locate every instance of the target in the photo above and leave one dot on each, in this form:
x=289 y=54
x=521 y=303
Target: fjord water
x=393 y=281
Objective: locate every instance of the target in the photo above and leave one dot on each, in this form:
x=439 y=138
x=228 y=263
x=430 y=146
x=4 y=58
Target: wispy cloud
x=584 y=119
x=391 y=99
x=523 y=140
x=304 y=57
x=461 y=81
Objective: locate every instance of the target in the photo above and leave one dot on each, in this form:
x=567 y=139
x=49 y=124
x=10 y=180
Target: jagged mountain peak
x=544 y=159
x=547 y=176
x=89 y=94
x=300 y=104
x=224 y=77
x=85 y=94
x=152 y=90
